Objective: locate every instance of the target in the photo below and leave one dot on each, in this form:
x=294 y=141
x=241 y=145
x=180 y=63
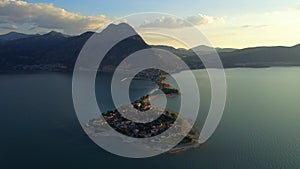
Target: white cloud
x=44 y=15
x=174 y=22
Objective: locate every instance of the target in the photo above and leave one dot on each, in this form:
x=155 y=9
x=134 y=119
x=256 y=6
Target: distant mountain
x=208 y=50
x=263 y=57
x=55 y=51
x=221 y=50
x=203 y=49
x=252 y=57
x=14 y=36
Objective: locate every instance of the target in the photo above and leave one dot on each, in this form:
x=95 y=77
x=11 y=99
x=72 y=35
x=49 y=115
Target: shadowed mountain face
x=58 y=52
x=123 y=48
x=51 y=51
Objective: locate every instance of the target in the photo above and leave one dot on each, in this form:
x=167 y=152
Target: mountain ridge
x=58 y=52
x=15 y=36
x=221 y=49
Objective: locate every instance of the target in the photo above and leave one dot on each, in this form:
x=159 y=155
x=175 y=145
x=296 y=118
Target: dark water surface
x=260 y=127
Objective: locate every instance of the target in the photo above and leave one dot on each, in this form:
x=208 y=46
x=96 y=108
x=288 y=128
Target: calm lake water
x=259 y=129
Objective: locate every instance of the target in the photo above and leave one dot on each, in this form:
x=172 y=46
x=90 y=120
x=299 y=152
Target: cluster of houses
x=134 y=129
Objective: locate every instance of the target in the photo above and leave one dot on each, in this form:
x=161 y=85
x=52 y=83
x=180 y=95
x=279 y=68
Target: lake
x=259 y=129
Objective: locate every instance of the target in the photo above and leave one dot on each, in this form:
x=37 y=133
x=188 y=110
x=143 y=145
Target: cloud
x=253 y=26
x=9 y=27
x=44 y=15
x=13 y=27
x=174 y=22
x=164 y=22
x=201 y=19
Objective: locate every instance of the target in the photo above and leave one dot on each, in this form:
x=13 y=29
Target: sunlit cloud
x=271 y=28
x=201 y=19
x=174 y=22
x=44 y=15
x=9 y=27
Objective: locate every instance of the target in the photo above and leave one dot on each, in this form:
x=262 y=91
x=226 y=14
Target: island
x=166 y=88
x=158 y=126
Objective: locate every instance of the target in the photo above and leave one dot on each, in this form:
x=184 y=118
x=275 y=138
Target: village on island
x=158 y=126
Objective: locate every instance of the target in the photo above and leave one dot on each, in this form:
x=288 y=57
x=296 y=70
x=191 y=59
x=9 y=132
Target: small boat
x=124 y=79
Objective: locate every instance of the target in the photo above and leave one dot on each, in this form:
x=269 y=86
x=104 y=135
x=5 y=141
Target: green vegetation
x=170 y=91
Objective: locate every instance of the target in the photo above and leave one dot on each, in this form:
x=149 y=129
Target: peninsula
x=156 y=127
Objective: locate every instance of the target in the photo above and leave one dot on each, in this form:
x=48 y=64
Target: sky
x=225 y=23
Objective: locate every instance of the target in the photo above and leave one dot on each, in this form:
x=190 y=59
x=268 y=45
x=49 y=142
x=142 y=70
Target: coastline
x=184 y=147
x=12 y=72
x=97 y=128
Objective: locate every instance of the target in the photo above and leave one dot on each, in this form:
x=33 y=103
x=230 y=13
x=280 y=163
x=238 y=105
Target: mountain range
x=57 y=52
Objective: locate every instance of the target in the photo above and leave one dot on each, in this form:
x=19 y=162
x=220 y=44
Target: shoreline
x=11 y=72
x=184 y=147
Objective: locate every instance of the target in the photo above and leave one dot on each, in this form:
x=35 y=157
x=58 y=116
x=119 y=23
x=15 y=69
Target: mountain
x=263 y=57
x=123 y=48
x=32 y=52
x=251 y=57
x=56 y=34
x=55 y=51
x=222 y=50
x=14 y=36
x=209 y=50
x=203 y=49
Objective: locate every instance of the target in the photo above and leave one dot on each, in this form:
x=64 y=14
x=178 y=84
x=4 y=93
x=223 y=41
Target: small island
x=166 y=88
